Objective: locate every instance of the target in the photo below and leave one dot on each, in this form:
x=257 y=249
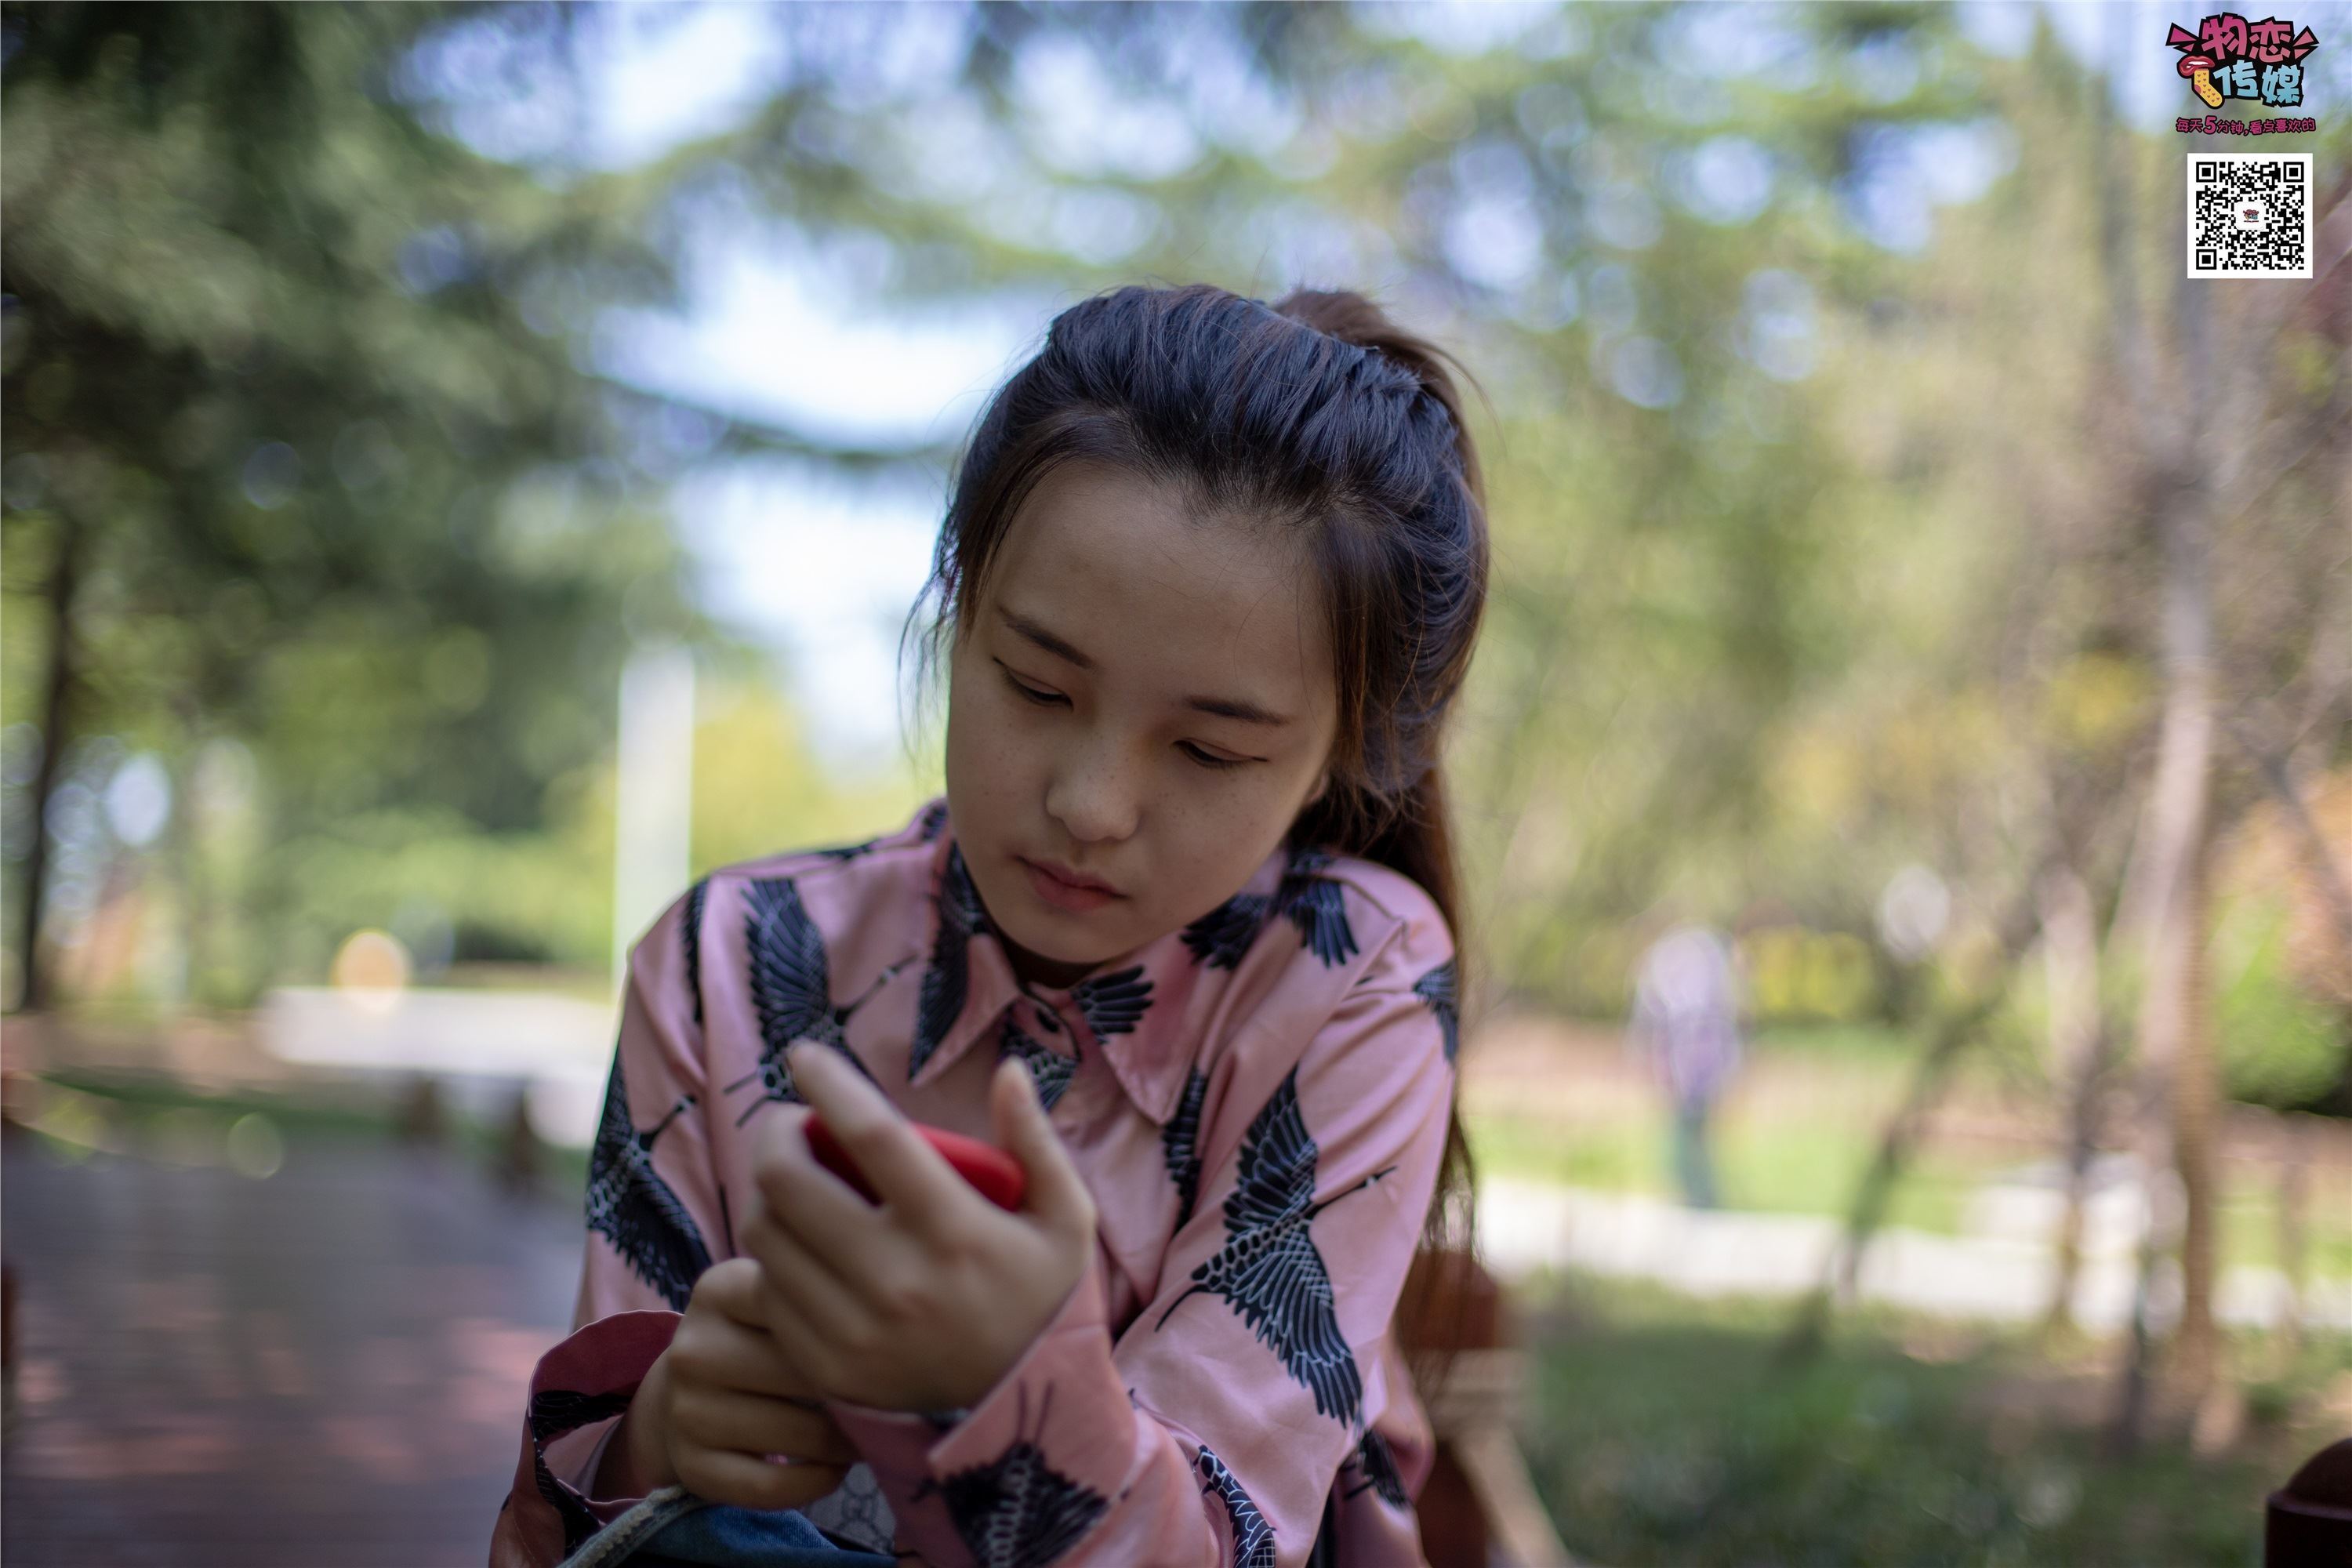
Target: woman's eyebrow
x=1037 y=633
x=1235 y=707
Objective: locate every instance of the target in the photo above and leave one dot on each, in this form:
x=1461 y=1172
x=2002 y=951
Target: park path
x=1529 y=1227
x=326 y=1366
x=1570 y=1077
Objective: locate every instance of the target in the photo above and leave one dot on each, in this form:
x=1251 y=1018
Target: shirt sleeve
x=655 y=1211
x=1211 y=1432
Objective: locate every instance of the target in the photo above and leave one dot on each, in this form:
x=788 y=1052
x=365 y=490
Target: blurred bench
x=1478 y=1508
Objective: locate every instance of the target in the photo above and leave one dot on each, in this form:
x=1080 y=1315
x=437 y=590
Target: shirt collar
x=1133 y=1008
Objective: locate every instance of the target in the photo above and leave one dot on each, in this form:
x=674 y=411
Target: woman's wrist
x=636 y=1457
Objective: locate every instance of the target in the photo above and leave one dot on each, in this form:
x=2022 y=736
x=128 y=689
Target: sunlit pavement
x=323 y=1367
x=1525 y=1226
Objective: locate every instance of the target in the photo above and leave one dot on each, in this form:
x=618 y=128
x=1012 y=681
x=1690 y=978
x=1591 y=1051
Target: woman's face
x=1184 y=710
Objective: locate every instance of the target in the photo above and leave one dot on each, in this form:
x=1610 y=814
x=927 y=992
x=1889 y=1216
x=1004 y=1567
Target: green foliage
x=1760 y=1166
x=1660 y=1430
x=2280 y=1046
x=279 y=424
x=759 y=788
x=1802 y=976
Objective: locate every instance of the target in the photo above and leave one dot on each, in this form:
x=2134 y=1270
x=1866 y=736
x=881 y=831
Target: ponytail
x=1412 y=832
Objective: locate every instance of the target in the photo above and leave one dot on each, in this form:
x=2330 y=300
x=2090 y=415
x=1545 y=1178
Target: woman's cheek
x=1025 y=740
x=1001 y=726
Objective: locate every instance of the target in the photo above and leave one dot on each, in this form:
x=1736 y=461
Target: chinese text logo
x=2228 y=57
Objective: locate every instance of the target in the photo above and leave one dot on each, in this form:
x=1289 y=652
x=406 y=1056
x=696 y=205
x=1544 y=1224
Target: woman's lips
x=1053 y=890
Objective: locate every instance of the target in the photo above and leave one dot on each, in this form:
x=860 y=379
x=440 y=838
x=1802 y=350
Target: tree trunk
x=2078 y=1035
x=2176 y=1109
x=2294 y=1234
x=196 y=915
x=2196 y=1094
x=64 y=675
x=1948 y=1042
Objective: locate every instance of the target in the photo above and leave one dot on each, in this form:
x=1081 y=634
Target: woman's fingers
x=733 y=1287
x=1056 y=1193
x=753 y=1424
x=748 y=1360
x=913 y=1179
x=723 y=1340
x=746 y=1297
x=795 y=1275
x=749 y=1482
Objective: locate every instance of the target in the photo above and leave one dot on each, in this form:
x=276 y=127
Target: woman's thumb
x=1057 y=1191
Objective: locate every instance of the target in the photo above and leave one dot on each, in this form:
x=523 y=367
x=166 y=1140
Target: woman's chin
x=1045 y=963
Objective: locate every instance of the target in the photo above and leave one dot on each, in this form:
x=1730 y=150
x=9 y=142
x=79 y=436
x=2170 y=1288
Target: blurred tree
x=303 y=454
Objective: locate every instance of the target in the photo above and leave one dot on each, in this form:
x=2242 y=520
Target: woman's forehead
x=1118 y=568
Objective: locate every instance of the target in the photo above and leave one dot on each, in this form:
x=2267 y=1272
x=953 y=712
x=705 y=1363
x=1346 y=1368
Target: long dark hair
x=1320 y=418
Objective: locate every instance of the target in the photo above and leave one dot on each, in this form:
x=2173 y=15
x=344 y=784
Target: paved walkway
x=1525 y=1226
x=324 y=1367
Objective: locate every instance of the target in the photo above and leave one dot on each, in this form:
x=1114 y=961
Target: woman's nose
x=1092 y=795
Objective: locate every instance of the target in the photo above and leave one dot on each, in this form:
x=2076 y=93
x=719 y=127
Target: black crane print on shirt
x=1219 y=938
x=1268 y=1270
x=634 y=1207
x=1377 y=1465
x=934 y=820
x=1016 y=1511
x=1438 y=989
x=945 y=983
x=558 y=1410
x=1253 y=1536
x=1180 y=1143
x=1312 y=903
x=791 y=988
x=691 y=935
x=1048 y=1068
x=579 y=1523
x=1114 y=1003
x=1315 y=906
x=553 y=1413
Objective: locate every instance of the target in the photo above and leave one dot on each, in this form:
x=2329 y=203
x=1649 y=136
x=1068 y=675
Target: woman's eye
x=1048 y=699
x=1208 y=760
x=1043 y=699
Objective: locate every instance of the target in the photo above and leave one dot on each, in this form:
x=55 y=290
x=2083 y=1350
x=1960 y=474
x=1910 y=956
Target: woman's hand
x=720 y=1398
x=924 y=1302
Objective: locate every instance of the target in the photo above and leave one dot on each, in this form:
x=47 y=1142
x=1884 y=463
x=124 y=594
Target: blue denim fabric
x=672 y=1529
x=724 y=1536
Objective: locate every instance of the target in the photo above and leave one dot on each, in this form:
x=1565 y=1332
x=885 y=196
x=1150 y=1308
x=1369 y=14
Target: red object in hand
x=997 y=1174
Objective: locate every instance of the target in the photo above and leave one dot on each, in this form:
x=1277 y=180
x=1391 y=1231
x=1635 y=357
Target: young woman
x=1179 y=935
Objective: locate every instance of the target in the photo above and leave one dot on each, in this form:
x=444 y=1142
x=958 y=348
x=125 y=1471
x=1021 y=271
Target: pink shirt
x=1258 y=1101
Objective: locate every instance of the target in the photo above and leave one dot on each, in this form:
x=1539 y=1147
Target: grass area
x=1758 y=1166
x=158 y=1117
x=1661 y=1431
x=135 y=1097
x=1815 y=1168
x=1873 y=1044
